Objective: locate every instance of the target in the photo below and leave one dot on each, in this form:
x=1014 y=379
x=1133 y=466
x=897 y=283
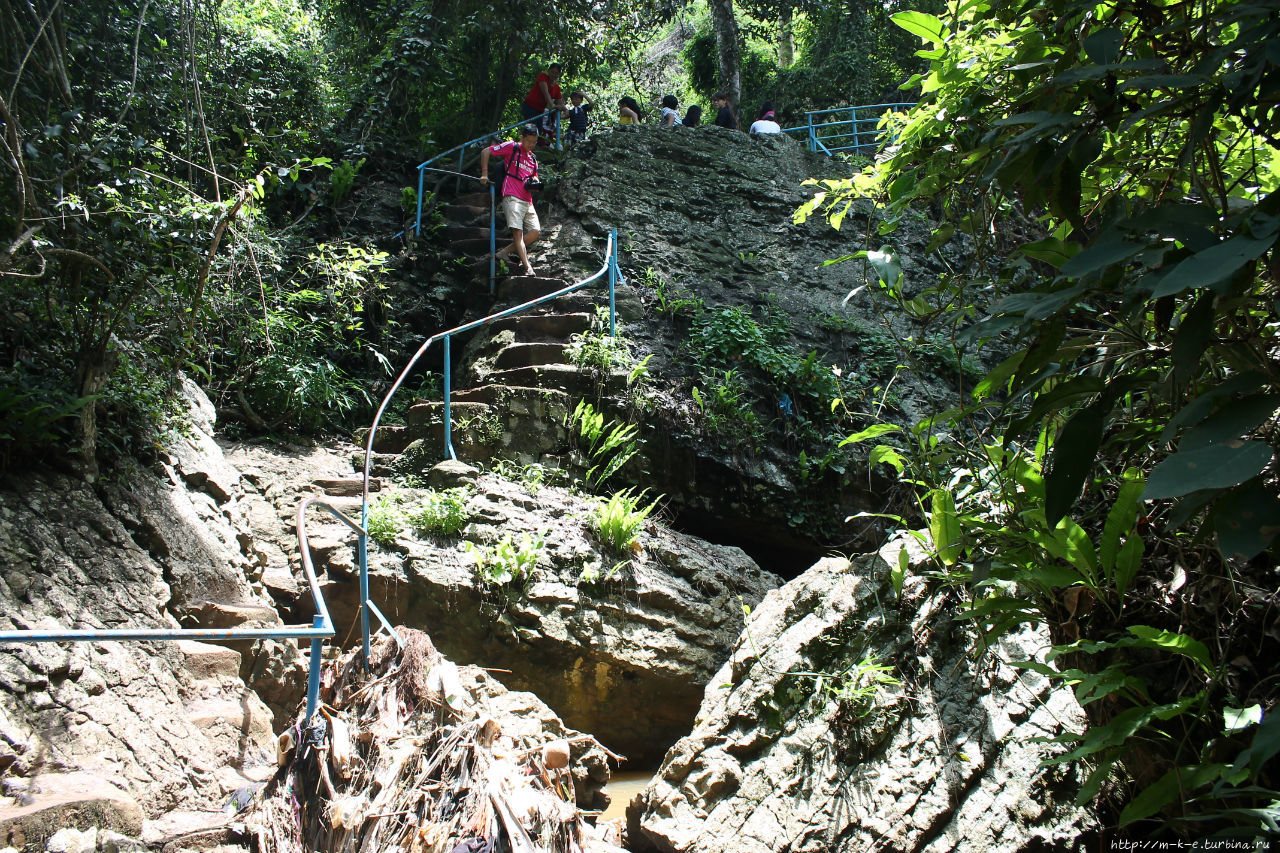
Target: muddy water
x=624 y=785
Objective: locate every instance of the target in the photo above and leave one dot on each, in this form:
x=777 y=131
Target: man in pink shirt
x=517 y=202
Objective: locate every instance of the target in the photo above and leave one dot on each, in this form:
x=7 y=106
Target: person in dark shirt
x=724 y=113
x=693 y=117
x=579 y=118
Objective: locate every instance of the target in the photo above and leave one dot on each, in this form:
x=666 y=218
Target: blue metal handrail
x=461 y=151
x=320 y=628
x=610 y=267
x=864 y=132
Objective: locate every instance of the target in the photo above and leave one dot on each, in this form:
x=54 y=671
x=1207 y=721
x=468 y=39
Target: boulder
x=906 y=742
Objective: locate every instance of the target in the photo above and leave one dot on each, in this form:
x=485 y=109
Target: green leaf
x=1051 y=250
x=1213 y=265
x=887 y=267
x=1120 y=520
x=1128 y=561
x=1238 y=719
x=1174 y=786
x=921 y=24
x=1180 y=644
x=873 y=431
x=1100 y=255
x=1266 y=743
x=998 y=378
x=1072 y=459
x=888 y=455
x=1246 y=522
x=1234 y=421
x=1215 y=467
x=944 y=526
x=1103 y=46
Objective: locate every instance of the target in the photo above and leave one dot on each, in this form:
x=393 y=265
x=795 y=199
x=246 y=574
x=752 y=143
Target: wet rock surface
x=932 y=753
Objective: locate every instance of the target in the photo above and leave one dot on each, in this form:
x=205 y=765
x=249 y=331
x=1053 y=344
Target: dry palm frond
x=418 y=756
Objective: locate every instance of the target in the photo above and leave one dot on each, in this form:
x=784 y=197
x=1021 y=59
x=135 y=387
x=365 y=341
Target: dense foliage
x=1114 y=168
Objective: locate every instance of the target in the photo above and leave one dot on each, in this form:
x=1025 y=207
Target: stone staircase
x=515 y=384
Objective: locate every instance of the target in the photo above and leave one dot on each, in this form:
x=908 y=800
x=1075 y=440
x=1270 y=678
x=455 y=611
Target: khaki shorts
x=520 y=214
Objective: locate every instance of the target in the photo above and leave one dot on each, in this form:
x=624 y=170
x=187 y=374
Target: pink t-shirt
x=526 y=167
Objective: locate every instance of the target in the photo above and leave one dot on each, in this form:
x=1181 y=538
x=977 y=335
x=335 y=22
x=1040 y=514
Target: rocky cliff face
x=119 y=732
x=852 y=718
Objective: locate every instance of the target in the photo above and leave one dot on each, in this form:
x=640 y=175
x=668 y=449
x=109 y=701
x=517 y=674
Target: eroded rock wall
x=941 y=760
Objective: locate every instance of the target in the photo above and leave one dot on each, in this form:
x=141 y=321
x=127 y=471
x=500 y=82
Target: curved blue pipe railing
x=320 y=628
x=461 y=151
x=858 y=126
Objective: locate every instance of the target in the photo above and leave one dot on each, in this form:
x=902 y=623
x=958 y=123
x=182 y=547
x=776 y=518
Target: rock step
x=79 y=801
x=347 y=485
x=209 y=662
x=480 y=199
x=465 y=214
x=466 y=232
x=530 y=354
x=564 y=377
x=236 y=718
x=476 y=245
x=517 y=399
x=522 y=288
x=429 y=412
x=529 y=327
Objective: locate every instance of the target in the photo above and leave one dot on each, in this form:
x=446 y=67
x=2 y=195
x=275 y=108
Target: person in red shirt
x=545 y=95
x=517 y=201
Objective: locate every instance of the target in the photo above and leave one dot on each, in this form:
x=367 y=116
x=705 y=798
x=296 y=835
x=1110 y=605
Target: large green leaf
x=1072 y=460
x=1214 y=467
x=1170 y=641
x=1247 y=522
x=1101 y=255
x=1213 y=265
x=944 y=526
x=1234 y=421
x=921 y=24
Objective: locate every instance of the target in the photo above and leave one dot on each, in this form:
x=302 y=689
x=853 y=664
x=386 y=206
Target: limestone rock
x=55 y=804
x=938 y=758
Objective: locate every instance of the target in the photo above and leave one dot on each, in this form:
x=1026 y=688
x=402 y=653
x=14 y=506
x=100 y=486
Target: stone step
x=466 y=214
x=527 y=355
x=466 y=232
x=391 y=438
x=476 y=245
x=479 y=199
x=532 y=327
x=79 y=801
x=428 y=414
x=518 y=400
x=239 y=720
x=209 y=662
x=563 y=377
x=522 y=288
x=333 y=486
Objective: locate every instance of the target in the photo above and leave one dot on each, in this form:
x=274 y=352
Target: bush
x=441 y=513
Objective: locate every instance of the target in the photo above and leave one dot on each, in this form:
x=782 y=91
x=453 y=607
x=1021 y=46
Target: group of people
x=541 y=111
x=629 y=112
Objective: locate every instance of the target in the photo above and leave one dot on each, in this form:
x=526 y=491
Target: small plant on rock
x=386 y=520
x=506 y=560
x=617 y=521
x=441 y=513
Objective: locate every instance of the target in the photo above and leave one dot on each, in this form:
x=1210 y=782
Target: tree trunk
x=786 y=39
x=728 y=51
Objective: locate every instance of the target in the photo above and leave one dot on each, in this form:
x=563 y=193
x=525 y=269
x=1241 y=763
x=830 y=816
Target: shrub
x=441 y=513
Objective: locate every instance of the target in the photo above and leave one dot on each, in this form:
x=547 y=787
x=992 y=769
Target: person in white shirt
x=766 y=123
x=670 y=116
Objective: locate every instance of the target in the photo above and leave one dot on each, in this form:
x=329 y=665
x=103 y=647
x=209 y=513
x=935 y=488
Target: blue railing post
x=313 y=679
x=448 y=438
x=493 y=240
x=813 y=139
x=417 y=223
x=362 y=554
x=613 y=280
